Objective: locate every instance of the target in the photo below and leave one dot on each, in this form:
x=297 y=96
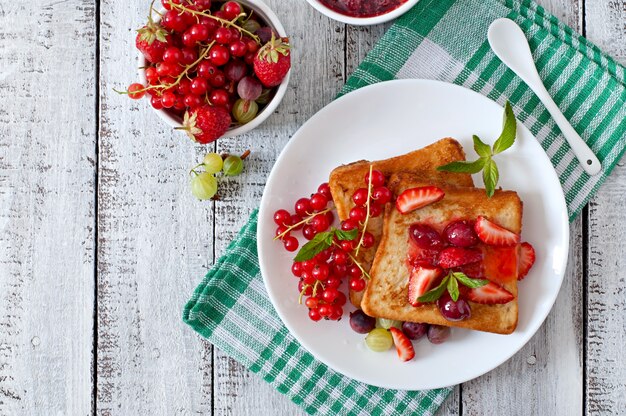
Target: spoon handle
x=589 y=161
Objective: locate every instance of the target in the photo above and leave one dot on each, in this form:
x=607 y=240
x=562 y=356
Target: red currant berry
x=331 y=217
x=323 y=255
x=336 y=314
x=219 y=55
x=282 y=217
x=134 y=91
x=290 y=243
x=199 y=32
x=320 y=223
x=156 y=103
x=199 y=86
x=296 y=219
x=249 y=58
x=174 y=21
x=368 y=240
x=180 y=103
x=375 y=209
x=210 y=23
x=381 y=194
x=231 y=9
x=222 y=35
x=348 y=225
x=297 y=268
x=314 y=315
x=190 y=55
x=377 y=178
x=330 y=294
x=164 y=68
x=166 y=4
x=325 y=310
x=183 y=87
x=308 y=278
x=188 y=39
x=220 y=14
x=172 y=55
x=354 y=271
x=305 y=290
x=332 y=282
x=303 y=206
x=193 y=101
x=341 y=299
x=312 y=303
x=251 y=45
x=347 y=245
x=202 y=5
x=219 y=97
x=308 y=232
x=324 y=189
x=357 y=284
x=234 y=34
x=340 y=257
x=218 y=79
x=168 y=99
x=318 y=202
x=152 y=76
x=238 y=48
x=320 y=271
x=360 y=197
x=339 y=270
x=280 y=230
x=358 y=214
x=308 y=265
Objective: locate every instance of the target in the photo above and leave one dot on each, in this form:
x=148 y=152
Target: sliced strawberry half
x=421 y=280
x=403 y=344
x=526 y=260
x=494 y=235
x=415 y=198
x=490 y=294
x=457 y=256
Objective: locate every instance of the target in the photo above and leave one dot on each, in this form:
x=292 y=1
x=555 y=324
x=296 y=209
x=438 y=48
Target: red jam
x=362 y=8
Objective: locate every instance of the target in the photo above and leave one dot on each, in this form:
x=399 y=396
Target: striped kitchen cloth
x=443 y=40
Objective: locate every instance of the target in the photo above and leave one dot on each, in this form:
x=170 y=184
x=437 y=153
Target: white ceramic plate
x=388 y=119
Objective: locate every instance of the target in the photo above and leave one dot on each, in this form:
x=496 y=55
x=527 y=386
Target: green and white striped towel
x=443 y=40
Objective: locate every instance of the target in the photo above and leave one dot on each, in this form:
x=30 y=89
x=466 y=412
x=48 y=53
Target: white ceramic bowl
x=261 y=9
x=363 y=21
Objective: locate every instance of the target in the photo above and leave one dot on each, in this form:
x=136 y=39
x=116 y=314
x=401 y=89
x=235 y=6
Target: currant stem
x=304 y=221
x=223 y=21
x=367 y=215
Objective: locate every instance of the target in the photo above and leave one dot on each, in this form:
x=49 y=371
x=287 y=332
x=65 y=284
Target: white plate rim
x=263 y=229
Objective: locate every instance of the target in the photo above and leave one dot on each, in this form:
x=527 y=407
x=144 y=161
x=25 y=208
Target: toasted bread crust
x=346 y=179
x=386 y=293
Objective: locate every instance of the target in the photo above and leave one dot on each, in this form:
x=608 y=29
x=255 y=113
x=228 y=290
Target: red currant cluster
x=321 y=275
x=312 y=216
x=202 y=53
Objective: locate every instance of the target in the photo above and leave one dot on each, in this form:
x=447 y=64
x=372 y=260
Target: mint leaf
x=318 y=244
x=490 y=177
x=346 y=235
x=481 y=148
x=468 y=281
x=509 y=130
x=464 y=167
x=434 y=294
x=453 y=288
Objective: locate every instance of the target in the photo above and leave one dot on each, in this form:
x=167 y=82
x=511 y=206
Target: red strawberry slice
x=457 y=256
x=494 y=235
x=404 y=347
x=421 y=280
x=419 y=197
x=526 y=260
x=490 y=294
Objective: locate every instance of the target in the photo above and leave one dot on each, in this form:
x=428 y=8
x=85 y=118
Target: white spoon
x=510 y=45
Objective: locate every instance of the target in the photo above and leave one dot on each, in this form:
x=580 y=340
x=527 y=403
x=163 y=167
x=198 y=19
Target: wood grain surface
x=101 y=242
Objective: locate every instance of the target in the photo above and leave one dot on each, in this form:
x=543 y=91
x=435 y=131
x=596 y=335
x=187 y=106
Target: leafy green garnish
x=486 y=153
x=451 y=283
x=322 y=241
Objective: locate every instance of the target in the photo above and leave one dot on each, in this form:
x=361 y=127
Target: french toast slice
x=345 y=180
x=386 y=295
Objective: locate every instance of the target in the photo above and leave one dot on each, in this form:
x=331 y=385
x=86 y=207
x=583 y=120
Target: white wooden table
x=101 y=242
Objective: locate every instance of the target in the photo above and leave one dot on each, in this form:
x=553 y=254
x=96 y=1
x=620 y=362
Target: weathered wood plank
x=154 y=244
x=545 y=377
x=317 y=75
x=47 y=167
x=606 y=367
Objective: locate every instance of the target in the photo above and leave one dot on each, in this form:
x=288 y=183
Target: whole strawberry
x=273 y=61
x=152 y=41
x=206 y=124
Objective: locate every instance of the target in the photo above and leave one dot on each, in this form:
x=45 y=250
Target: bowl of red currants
x=212 y=68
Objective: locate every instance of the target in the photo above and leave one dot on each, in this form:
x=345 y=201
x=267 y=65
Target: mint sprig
x=322 y=241
x=451 y=284
x=485 y=162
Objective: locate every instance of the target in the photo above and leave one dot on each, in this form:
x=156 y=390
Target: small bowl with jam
x=363 y=12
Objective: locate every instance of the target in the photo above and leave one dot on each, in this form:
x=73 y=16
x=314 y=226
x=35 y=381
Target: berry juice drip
x=362 y=8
